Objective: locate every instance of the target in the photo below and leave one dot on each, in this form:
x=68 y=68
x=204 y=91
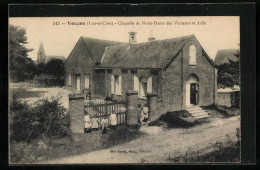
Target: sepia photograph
x=124 y=90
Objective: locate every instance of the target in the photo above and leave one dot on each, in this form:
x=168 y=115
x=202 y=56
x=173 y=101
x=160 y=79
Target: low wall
x=228 y=99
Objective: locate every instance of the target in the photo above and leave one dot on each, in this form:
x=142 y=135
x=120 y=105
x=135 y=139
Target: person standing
x=144 y=114
x=95 y=123
x=104 y=124
x=87 y=123
x=113 y=120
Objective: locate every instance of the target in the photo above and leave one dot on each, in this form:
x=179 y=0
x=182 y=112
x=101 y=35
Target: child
x=95 y=123
x=113 y=120
x=104 y=124
x=144 y=114
x=87 y=123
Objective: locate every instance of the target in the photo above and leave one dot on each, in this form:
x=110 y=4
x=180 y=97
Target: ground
x=161 y=144
x=157 y=146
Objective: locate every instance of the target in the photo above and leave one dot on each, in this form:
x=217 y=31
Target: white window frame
x=192 y=55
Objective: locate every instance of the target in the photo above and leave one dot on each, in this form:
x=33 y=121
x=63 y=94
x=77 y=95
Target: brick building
x=80 y=64
x=178 y=71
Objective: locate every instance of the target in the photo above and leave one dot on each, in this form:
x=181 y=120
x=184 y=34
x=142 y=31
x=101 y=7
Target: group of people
x=143 y=116
x=93 y=123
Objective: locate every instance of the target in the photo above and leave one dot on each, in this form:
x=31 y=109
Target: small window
x=192 y=55
x=69 y=79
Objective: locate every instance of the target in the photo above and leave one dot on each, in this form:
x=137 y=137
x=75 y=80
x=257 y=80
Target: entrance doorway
x=193 y=93
x=192 y=90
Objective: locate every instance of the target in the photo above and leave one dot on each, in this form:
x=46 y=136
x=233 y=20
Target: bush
x=46 y=117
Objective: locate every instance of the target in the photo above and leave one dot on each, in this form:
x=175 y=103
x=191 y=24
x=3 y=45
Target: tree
x=40 y=69
x=18 y=53
x=228 y=73
x=55 y=67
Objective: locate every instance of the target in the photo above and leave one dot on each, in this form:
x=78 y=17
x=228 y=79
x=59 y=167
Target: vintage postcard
x=124 y=90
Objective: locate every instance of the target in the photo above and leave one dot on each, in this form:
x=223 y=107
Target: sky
x=59 y=36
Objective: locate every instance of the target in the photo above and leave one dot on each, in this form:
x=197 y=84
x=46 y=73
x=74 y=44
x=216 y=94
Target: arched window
x=192 y=54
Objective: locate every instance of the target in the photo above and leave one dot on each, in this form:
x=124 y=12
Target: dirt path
x=160 y=144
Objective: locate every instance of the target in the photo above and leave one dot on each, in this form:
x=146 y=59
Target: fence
x=104 y=109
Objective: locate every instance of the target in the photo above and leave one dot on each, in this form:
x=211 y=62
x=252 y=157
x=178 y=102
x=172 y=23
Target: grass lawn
x=228 y=154
x=44 y=149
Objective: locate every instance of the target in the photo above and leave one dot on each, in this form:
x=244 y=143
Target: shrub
x=47 y=117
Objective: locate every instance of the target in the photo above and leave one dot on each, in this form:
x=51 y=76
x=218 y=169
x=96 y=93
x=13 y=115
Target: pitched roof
x=223 y=56
x=96 y=47
x=154 y=54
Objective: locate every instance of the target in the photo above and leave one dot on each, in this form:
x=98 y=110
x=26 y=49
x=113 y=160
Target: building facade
x=80 y=64
x=178 y=71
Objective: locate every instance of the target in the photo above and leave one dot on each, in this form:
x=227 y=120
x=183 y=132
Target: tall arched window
x=192 y=54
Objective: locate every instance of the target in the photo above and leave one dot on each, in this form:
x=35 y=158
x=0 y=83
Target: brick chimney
x=132 y=37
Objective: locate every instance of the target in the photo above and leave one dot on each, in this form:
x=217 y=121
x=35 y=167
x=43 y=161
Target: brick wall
x=79 y=61
x=174 y=78
x=172 y=86
x=76 y=111
x=128 y=81
x=205 y=72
